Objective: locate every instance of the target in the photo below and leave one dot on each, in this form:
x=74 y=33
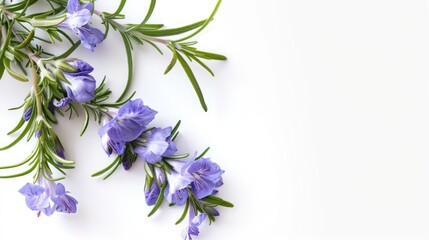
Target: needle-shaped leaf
x=202 y=64
x=17 y=127
x=185 y=212
x=173 y=60
x=158 y=201
x=27 y=159
x=102 y=171
x=17 y=76
x=22 y=173
x=148 y=14
x=217 y=201
x=205 y=23
x=26 y=129
x=68 y=52
x=19 y=5
x=128 y=50
x=118 y=10
x=85 y=124
x=203 y=153
x=27 y=40
x=171 y=31
x=193 y=80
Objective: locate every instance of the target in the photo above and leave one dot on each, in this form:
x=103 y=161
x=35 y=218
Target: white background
x=320 y=118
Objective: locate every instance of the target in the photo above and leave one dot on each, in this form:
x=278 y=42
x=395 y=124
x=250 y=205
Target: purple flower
x=60 y=150
x=156 y=144
x=179 y=197
x=77 y=21
x=81 y=68
x=151 y=193
x=129 y=123
x=47 y=197
x=175 y=191
x=207 y=176
x=27 y=113
x=81 y=86
x=128 y=159
x=194 y=223
x=62 y=201
x=37 y=198
x=111 y=146
x=160 y=175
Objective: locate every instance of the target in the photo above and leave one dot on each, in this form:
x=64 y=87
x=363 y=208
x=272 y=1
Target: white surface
x=319 y=117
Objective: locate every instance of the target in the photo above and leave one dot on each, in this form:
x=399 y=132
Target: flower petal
x=72 y=6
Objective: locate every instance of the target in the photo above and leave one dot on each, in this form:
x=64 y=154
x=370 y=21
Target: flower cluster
x=48 y=197
x=61 y=83
x=192 y=182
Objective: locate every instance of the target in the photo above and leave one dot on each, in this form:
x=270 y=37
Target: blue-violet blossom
x=152 y=192
x=77 y=20
x=27 y=113
x=47 y=197
x=207 y=176
x=157 y=143
x=128 y=124
x=194 y=223
x=81 y=86
x=176 y=190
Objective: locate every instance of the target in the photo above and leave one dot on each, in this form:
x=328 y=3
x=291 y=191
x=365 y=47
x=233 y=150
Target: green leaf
x=53 y=35
x=27 y=40
x=117 y=104
x=203 y=153
x=173 y=157
x=85 y=124
x=5 y=44
x=12 y=73
x=202 y=64
x=154 y=46
x=149 y=26
x=27 y=4
x=148 y=170
x=20 y=56
x=193 y=80
x=2 y=68
x=171 y=31
x=217 y=201
x=48 y=113
x=118 y=10
x=185 y=211
x=22 y=173
x=158 y=201
x=173 y=60
x=17 y=127
x=68 y=52
x=47 y=22
x=205 y=23
x=209 y=55
x=19 y=5
x=128 y=50
x=148 y=14
x=27 y=159
x=149 y=11
x=176 y=127
x=102 y=171
x=58 y=158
